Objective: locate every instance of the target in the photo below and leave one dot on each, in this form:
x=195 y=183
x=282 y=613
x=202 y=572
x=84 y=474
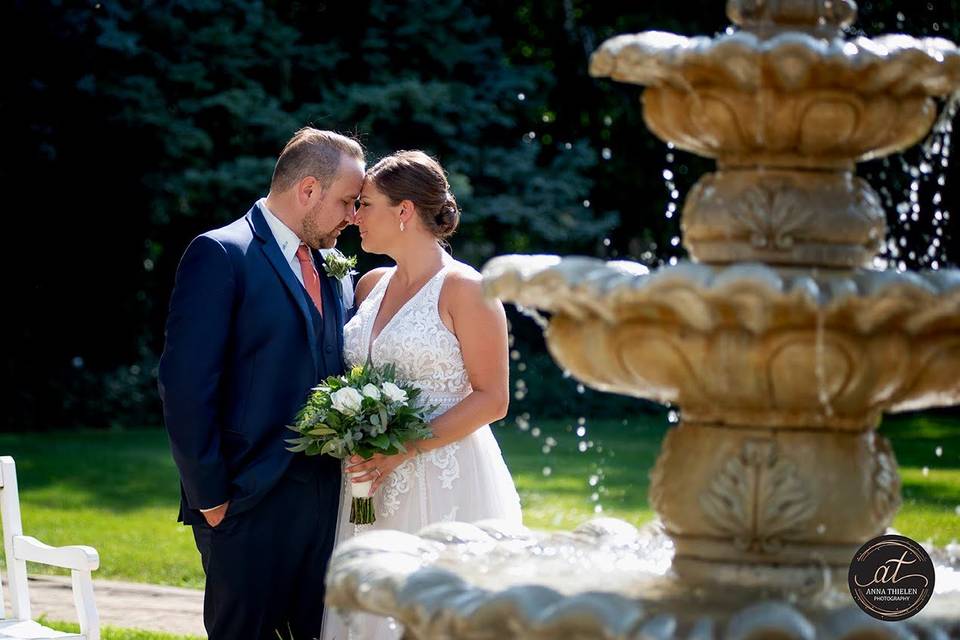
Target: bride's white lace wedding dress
x=466 y=480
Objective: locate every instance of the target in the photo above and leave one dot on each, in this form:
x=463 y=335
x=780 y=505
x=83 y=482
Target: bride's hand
x=377 y=468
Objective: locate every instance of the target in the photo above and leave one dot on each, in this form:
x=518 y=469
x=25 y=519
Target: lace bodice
x=425 y=352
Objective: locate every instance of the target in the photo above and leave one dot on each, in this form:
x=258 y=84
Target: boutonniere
x=339 y=266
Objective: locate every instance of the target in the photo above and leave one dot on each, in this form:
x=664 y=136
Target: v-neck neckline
x=371 y=340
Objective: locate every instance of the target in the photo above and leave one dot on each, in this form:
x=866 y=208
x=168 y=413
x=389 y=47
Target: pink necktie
x=311 y=281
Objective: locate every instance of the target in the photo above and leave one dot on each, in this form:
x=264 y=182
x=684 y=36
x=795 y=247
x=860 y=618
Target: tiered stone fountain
x=778 y=342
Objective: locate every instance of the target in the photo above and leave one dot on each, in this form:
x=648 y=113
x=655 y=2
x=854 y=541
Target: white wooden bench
x=18 y=549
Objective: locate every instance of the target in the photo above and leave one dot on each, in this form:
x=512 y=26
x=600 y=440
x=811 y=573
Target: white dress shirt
x=289 y=241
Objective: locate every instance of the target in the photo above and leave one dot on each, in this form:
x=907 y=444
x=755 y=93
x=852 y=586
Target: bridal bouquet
x=364 y=412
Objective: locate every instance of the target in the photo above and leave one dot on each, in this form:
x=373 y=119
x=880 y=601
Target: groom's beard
x=330 y=241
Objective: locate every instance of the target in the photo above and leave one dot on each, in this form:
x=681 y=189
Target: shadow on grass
x=115 y=470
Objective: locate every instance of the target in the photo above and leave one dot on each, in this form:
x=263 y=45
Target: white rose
x=393 y=392
x=346 y=401
x=371 y=391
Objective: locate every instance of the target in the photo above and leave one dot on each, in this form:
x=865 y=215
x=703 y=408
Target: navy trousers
x=265 y=567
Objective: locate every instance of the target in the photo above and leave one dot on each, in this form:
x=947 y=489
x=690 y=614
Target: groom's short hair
x=312 y=152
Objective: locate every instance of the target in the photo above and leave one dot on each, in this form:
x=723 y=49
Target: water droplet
x=582 y=446
x=521 y=97
x=522 y=366
x=673 y=417
x=607 y=121
x=586 y=204
x=821 y=529
x=606 y=242
x=545 y=449
x=674 y=241
x=926 y=471
x=77 y=362
x=581 y=431
x=594 y=496
x=667 y=174
x=581 y=420
x=606 y=153
x=535 y=432
x=514 y=355
x=580 y=388
x=547 y=471
x=594 y=479
x=939 y=452
x=551 y=441
x=598 y=508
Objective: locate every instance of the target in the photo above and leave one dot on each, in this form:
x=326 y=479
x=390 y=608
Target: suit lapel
x=332 y=286
x=271 y=250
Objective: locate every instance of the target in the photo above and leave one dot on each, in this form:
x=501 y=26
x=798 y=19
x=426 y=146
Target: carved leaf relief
x=758 y=497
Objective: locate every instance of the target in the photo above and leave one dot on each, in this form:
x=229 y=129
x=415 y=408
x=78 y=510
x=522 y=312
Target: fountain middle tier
x=749 y=345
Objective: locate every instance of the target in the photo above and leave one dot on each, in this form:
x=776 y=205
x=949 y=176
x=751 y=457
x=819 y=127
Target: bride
x=428 y=316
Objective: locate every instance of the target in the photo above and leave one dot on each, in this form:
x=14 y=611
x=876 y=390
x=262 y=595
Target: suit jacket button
x=329 y=349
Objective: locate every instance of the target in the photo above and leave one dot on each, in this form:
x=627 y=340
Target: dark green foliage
x=137 y=125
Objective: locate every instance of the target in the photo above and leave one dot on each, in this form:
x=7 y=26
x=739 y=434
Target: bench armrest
x=76 y=557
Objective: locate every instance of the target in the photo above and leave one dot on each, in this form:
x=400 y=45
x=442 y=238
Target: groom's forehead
x=349 y=180
x=350 y=176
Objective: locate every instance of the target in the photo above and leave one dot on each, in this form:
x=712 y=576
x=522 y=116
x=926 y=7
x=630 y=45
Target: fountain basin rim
x=788 y=61
x=427 y=598
x=583 y=286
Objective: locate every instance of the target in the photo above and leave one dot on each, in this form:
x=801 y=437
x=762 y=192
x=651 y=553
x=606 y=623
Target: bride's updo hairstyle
x=415 y=176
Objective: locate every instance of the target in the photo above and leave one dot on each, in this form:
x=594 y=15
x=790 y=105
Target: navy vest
x=327 y=347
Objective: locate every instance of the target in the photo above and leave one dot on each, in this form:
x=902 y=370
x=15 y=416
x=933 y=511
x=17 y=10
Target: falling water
x=927 y=176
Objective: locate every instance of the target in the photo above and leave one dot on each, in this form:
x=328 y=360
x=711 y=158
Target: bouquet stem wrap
x=361 y=509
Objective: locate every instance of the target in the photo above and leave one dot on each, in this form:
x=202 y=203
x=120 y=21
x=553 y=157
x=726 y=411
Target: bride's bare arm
x=480 y=325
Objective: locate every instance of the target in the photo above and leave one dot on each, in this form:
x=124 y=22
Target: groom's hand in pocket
x=216 y=515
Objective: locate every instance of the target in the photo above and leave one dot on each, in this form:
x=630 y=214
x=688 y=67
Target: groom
x=254 y=324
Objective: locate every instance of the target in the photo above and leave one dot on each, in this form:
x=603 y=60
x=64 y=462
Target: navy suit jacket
x=241 y=355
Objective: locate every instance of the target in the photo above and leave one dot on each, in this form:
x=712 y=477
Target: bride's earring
x=401 y=225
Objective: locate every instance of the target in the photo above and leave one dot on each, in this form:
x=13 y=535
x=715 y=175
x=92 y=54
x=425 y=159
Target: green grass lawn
x=113 y=633
x=556 y=489
x=118 y=490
